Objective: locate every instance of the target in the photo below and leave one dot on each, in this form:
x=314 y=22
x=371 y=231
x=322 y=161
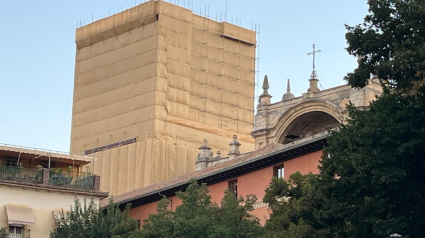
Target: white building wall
x=42 y=202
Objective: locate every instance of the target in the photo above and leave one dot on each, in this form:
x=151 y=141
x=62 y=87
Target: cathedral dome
x=288 y=95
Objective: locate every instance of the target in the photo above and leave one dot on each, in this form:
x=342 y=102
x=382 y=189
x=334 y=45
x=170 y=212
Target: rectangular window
x=11 y=161
x=279 y=171
x=15 y=230
x=325 y=155
x=233 y=187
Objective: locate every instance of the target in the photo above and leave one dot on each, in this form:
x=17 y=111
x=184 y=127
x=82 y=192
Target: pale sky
x=38 y=52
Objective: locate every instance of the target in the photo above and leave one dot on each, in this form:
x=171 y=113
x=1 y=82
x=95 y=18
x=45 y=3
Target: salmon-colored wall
x=255 y=182
x=141 y=213
x=304 y=164
x=217 y=191
x=252 y=183
x=263 y=214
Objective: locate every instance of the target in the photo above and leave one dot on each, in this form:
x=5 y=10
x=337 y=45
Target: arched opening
x=308 y=124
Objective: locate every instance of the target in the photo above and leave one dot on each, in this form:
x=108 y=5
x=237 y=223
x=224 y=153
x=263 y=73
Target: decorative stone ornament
x=288 y=95
x=266 y=85
x=218 y=157
x=204 y=156
x=264 y=98
x=234 y=148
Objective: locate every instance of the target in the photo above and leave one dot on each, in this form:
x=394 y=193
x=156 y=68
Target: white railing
x=15 y=235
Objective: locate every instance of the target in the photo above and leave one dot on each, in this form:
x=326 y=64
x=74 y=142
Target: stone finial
x=266 y=85
x=218 y=157
x=264 y=98
x=288 y=87
x=288 y=95
x=234 y=148
x=204 y=156
x=313 y=85
x=205 y=146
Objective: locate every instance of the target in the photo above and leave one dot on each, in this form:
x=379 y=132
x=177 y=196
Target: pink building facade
x=249 y=173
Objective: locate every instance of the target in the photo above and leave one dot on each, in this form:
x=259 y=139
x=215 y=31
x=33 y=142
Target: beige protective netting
x=167 y=77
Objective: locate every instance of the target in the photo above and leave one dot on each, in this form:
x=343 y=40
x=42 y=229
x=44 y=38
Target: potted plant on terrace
x=56 y=177
x=39 y=174
x=68 y=180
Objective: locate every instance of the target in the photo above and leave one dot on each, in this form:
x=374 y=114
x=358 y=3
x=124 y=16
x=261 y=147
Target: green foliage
x=293 y=202
x=379 y=156
x=3 y=233
x=69 y=169
x=88 y=222
x=371 y=185
x=160 y=225
x=233 y=218
x=197 y=216
x=390 y=44
x=56 y=170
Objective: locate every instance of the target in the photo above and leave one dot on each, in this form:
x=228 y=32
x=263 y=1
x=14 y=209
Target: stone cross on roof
x=314 y=52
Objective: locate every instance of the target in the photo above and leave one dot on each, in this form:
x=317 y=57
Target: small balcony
x=18 y=232
x=21 y=174
x=44 y=167
x=71 y=179
x=54 y=177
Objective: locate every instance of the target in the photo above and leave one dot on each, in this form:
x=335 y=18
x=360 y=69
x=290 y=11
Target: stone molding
x=296 y=111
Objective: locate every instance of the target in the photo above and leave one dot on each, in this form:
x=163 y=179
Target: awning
x=19 y=215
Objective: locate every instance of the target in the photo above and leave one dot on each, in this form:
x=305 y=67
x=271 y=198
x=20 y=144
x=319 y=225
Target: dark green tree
x=295 y=204
x=372 y=184
x=233 y=219
x=159 y=225
x=376 y=167
x=89 y=222
x=3 y=233
x=390 y=44
x=197 y=217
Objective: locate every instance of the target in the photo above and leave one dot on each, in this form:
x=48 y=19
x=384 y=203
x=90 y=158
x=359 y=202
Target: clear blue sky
x=38 y=52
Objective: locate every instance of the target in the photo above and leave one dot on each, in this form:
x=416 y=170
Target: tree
x=3 y=233
x=375 y=171
x=197 y=216
x=294 y=203
x=89 y=222
x=233 y=219
x=372 y=183
x=390 y=44
x=159 y=225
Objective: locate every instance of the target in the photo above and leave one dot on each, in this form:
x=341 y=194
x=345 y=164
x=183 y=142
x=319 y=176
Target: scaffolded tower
x=151 y=83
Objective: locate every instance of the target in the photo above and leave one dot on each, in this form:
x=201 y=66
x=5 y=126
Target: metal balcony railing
x=16 y=173
x=55 y=177
x=71 y=179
